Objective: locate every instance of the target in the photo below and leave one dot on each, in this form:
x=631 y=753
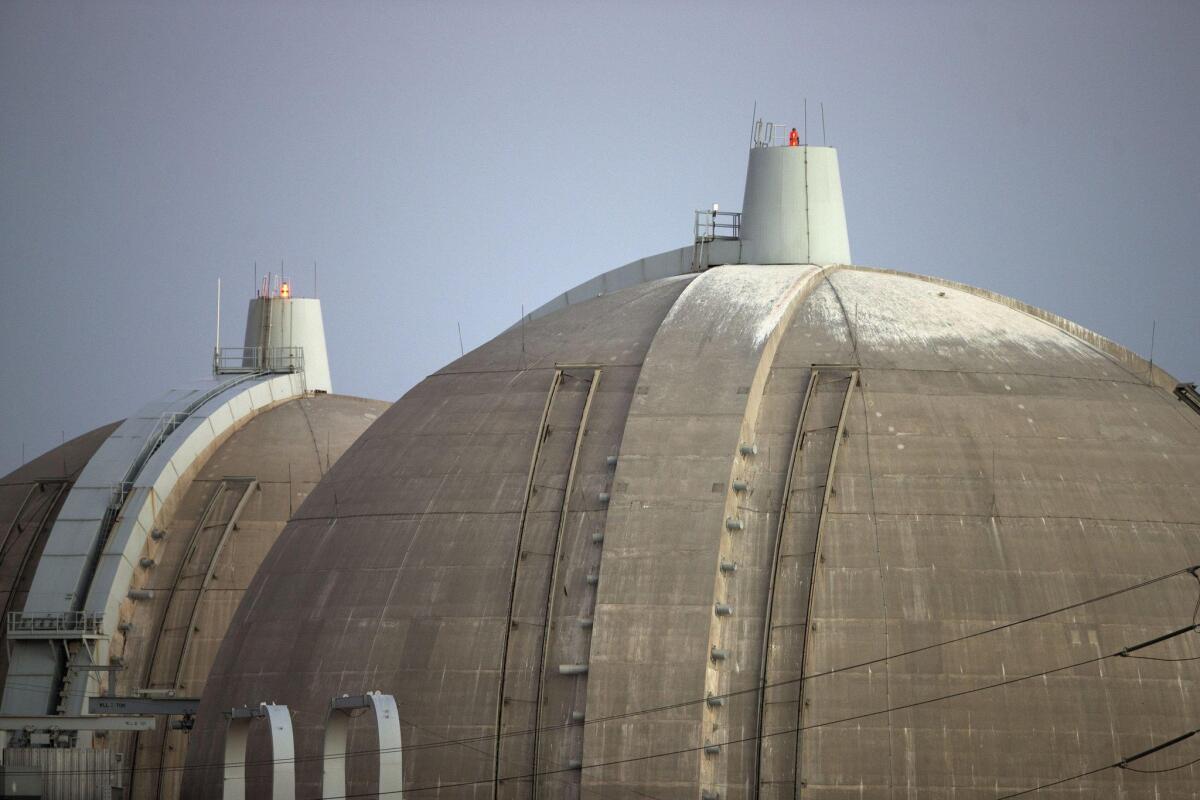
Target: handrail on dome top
x=55 y=625
x=257 y=360
x=770 y=134
x=713 y=224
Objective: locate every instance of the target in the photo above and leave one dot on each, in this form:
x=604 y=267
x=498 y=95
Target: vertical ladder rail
x=550 y=590
x=251 y=485
x=15 y=525
x=41 y=517
x=512 y=591
x=195 y=612
x=201 y=524
x=797 y=445
x=806 y=656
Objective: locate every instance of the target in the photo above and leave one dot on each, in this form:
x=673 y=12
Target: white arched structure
x=283 y=751
x=337 y=730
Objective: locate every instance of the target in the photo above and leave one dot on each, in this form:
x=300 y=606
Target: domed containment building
x=126 y=552
x=743 y=520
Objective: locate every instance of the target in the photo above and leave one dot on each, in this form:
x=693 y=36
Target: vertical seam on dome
x=807 y=215
x=553 y=582
x=312 y=432
x=809 y=624
x=887 y=664
x=769 y=610
x=512 y=589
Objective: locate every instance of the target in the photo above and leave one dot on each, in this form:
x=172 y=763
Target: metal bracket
x=1188 y=394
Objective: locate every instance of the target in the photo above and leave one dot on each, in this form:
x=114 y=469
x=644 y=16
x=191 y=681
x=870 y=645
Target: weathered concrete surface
x=989 y=465
x=418 y=557
x=666 y=532
x=996 y=467
x=225 y=522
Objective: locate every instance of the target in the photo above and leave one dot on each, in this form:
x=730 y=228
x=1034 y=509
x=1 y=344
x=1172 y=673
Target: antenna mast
x=218 y=342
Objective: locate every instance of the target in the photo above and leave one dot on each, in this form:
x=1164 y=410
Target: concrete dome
x=220 y=523
x=30 y=499
x=712 y=484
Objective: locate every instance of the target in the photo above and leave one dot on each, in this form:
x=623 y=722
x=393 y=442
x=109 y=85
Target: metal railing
x=55 y=625
x=770 y=134
x=1188 y=394
x=257 y=360
x=163 y=428
x=712 y=225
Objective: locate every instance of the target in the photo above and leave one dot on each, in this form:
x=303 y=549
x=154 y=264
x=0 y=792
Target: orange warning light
x=285 y=291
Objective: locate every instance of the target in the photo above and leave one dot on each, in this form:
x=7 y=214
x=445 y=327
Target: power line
x=1168 y=769
x=1173 y=660
x=1039 y=787
x=682 y=751
x=1122 y=764
x=1193 y=570
x=1123 y=652
x=489 y=755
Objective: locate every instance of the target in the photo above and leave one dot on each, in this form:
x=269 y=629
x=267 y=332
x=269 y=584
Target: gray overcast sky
x=448 y=162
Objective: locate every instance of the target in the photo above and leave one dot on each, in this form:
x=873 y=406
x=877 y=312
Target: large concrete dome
x=594 y=557
x=30 y=498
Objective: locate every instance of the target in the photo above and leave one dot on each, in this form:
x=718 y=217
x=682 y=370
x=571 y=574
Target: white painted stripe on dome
x=743 y=299
x=894 y=309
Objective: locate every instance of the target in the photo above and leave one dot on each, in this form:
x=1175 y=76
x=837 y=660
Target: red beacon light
x=285 y=291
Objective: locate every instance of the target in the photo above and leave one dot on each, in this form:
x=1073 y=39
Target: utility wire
x=1168 y=769
x=489 y=755
x=1193 y=570
x=1176 y=660
x=915 y=704
x=1122 y=764
x=1196 y=611
x=1039 y=787
x=1123 y=652
x=597 y=720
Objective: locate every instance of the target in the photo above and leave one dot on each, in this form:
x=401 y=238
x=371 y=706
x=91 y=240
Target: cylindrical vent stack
x=275 y=323
x=793 y=212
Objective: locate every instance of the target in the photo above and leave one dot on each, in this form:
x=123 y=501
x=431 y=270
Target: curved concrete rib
x=696 y=402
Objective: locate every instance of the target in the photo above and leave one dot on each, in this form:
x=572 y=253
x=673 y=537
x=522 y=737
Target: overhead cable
x=890 y=709
x=833 y=670
x=682 y=751
x=1122 y=764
